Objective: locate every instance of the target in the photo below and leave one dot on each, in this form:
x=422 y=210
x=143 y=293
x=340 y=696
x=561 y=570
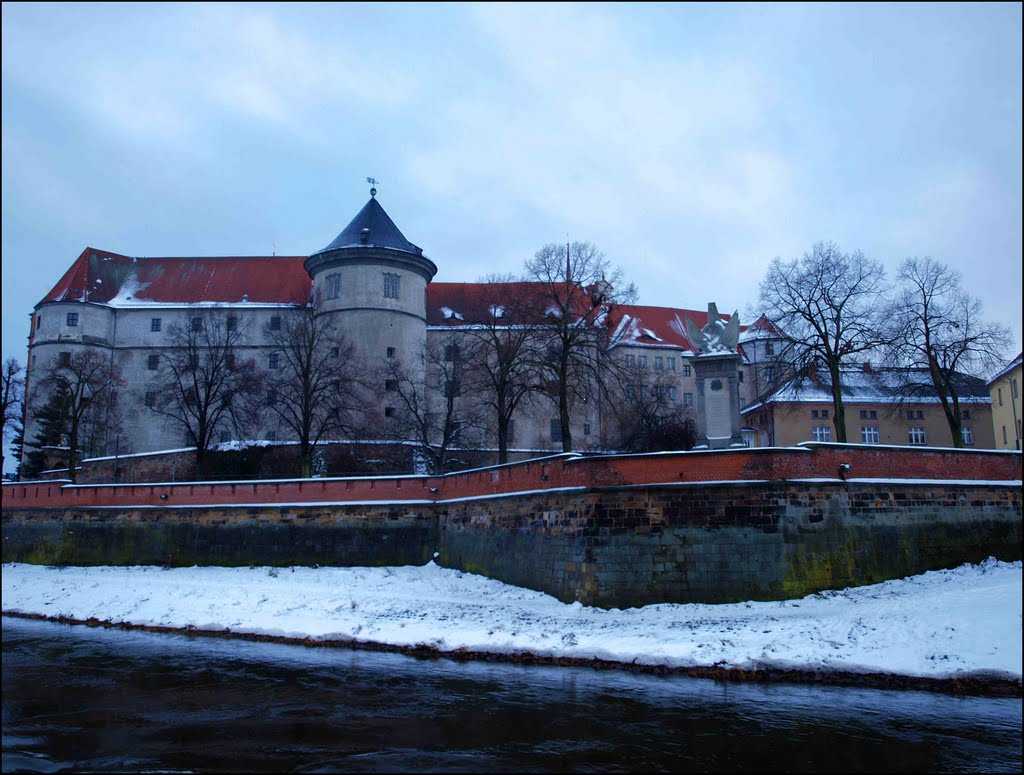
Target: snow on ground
x=939 y=624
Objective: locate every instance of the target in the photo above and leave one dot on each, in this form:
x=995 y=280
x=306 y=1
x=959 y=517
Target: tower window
x=391 y=352
x=391 y=285
x=333 y=288
x=73 y=319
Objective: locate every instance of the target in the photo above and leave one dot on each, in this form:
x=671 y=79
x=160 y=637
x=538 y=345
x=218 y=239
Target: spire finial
x=373 y=184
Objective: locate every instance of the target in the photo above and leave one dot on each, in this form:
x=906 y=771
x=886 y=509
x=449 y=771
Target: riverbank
x=955 y=630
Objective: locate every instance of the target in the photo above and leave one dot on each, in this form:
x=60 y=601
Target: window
x=391 y=385
x=333 y=286
x=659 y=362
x=155 y=324
x=671 y=363
x=824 y=414
x=1013 y=388
x=642 y=361
x=555 y=428
x=150 y=399
x=630 y=391
x=391 y=285
x=229 y=360
x=73 y=319
x=39 y=324
x=225 y=437
x=391 y=352
x=863 y=414
x=814 y=414
x=687 y=399
x=232 y=322
x=869 y=434
x=275 y=323
x=586 y=429
x=1000 y=390
x=686 y=371
x=741 y=376
x=65 y=359
x=968 y=434
x=821 y=433
x=631 y=360
x=389 y=411
x=916 y=435
x=197 y=324
x=1004 y=435
x=769 y=348
x=965 y=414
x=153 y=363
x=274 y=361
x=451 y=388
x=874 y=414
x=271 y=397
x=451 y=353
x=920 y=415
x=910 y=414
x=672 y=392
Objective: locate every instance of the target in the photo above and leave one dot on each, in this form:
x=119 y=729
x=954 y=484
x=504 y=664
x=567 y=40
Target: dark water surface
x=89 y=699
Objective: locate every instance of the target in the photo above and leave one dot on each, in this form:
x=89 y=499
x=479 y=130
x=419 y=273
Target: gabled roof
x=111 y=278
x=762 y=328
x=1014 y=364
x=372 y=227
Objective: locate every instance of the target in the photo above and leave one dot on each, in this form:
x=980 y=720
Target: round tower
x=374 y=281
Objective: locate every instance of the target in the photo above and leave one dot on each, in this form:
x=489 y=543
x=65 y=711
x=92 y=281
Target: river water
x=82 y=698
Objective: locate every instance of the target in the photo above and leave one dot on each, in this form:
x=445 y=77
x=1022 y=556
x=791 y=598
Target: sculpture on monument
x=716 y=365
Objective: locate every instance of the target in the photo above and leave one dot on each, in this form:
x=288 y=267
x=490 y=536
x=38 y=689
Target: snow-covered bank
x=943 y=624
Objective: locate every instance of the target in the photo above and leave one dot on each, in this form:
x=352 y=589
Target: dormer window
x=364 y=236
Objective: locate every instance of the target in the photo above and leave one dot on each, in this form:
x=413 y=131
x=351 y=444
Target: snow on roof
x=877 y=386
x=1015 y=363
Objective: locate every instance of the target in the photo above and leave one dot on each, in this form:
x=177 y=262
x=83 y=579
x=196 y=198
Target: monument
x=716 y=365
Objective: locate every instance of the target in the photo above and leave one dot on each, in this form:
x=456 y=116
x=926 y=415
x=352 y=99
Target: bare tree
x=13 y=389
x=83 y=385
x=647 y=412
x=201 y=384
x=501 y=372
x=940 y=332
x=831 y=306
x=315 y=388
x=435 y=411
x=578 y=287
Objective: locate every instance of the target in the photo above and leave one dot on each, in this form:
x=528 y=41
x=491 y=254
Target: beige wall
x=1006 y=409
x=792 y=423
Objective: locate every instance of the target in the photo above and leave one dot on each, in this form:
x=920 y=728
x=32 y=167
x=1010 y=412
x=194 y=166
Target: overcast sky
x=691 y=143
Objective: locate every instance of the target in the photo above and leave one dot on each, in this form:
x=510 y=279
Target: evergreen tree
x=53 y=420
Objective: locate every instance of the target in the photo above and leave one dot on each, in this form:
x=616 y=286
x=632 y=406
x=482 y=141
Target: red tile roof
x=101 y=276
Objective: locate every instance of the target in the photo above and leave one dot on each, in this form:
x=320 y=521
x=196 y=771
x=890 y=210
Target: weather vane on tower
x=373 y=184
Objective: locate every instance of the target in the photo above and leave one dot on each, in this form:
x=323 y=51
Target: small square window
x=73 y=319
x=863 y=414
x=686 y=371
x=920 y=415
x=197 y=324
x=391 y=385
x=153 y=362
x=274 y=361
x=769 y=348
x=389 y=411
x=814 y=414
x=150 y=398
x=275 y=323
x=155 y=324
x=965 y=414
x=586 y=429
x=874 y=415
x=65 y=359
x=824 y=414
x=391 y=352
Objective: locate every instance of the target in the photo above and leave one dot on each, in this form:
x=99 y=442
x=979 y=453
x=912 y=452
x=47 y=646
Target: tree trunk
x=502 y=440
x=838 y=410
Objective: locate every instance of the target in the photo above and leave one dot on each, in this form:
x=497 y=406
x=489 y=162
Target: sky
x=691 y=143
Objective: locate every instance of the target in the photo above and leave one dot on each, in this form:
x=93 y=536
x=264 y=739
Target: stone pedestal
x=718 y=403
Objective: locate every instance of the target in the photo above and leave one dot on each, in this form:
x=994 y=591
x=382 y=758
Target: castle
x=378 y=288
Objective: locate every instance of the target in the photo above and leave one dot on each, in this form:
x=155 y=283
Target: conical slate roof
x=372 y=227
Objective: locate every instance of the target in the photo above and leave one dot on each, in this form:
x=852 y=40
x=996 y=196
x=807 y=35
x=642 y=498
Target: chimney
x=867 y=367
